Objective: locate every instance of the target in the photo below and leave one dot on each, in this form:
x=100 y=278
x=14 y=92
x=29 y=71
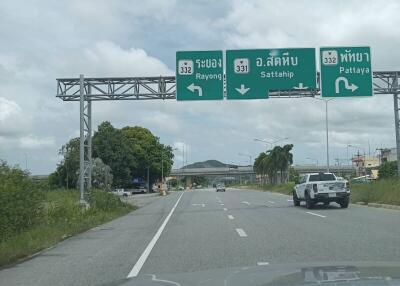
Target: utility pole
x=396 y=102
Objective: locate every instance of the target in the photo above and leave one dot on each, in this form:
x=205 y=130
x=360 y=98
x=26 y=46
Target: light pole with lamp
x=327 y=130
x=269 y=142
x=248 y=156
x=250 y=161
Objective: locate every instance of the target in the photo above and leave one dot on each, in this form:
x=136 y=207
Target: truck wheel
x=344 y=203
x=309 y=202
x=296 y=200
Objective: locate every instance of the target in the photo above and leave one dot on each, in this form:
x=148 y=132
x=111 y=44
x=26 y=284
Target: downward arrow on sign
x=242 y=90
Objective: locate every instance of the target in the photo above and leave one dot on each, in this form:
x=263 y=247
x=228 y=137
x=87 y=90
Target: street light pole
x=271 y=143
x=246 y=155
x=327 y=129
x=327 y=136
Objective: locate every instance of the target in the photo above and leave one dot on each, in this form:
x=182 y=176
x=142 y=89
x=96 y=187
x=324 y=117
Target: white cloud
x=8 y=108
x=108 y=59
x=67 y=38
x=32 y=142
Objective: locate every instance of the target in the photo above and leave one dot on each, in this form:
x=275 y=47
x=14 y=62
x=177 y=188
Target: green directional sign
x=199 y=75
x=250 y=74
x=346 y=71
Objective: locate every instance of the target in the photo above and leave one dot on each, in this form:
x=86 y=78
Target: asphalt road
x=201 y=230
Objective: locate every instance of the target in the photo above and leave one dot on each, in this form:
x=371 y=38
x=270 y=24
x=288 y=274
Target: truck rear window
x=322 y=177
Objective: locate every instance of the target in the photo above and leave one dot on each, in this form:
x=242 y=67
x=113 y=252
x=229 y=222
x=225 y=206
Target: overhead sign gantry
x=201 y=78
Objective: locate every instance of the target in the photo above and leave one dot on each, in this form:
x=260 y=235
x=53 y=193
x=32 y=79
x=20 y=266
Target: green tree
x=148 y=151
x=269 y=163
x=67 y=172
x=388 y=170
x=113 y=148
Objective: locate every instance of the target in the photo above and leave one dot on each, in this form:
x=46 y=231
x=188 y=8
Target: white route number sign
x=185 y=67
x=241 y=66
x=330 y=58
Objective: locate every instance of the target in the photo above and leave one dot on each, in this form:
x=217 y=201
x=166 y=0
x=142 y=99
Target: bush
x=21 y=201
x=388 y=170
x=62 y=216
x=381 y=191
x=104 y=201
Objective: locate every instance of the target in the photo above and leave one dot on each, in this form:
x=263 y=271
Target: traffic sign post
x=199 y=75
x=250 y=74
x=346 y=71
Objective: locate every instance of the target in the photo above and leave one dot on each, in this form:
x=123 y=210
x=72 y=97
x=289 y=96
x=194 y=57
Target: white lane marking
x=154 y=278
x=230 y=216
x=311 y=213
x=262 y=263
x=222 y=204
x=244 y=202
x=290 y=200
x=203 y=205
x=225 y=209
x=271 y=202
x=241 y=232
x=142 y=259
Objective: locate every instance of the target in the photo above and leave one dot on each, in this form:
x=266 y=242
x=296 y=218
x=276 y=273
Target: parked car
x=220 y=187
x=321 y=187
x=121 y=192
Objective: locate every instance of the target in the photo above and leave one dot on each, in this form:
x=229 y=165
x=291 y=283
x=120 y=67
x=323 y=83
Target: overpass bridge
x=246 y=173
x=248 y=170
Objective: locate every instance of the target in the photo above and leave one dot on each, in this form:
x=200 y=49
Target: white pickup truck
x=321 y=187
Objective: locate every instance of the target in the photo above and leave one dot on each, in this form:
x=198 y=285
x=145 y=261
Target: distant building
x=388 y=155
x=366 y=165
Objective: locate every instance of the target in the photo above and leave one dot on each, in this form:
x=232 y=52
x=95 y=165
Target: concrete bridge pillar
x=189 y=181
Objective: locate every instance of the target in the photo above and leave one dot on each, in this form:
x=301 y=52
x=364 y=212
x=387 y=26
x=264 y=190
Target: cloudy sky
x=44 y=40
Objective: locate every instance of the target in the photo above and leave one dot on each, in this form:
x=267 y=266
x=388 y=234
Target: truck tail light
x=315 y=188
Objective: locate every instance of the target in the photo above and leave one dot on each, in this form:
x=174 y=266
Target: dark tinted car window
x=322 y=177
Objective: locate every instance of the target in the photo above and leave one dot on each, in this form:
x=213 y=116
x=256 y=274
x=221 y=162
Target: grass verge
x=284 y=188
x=381 y=191
x=62 y=217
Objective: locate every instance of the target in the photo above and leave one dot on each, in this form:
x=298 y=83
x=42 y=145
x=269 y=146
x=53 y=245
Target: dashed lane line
x=241 y=232
x=311 y=213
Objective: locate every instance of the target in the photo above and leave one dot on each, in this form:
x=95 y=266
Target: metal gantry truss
x=86 y=90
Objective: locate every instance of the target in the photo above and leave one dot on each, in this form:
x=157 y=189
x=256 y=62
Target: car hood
x=345 y=273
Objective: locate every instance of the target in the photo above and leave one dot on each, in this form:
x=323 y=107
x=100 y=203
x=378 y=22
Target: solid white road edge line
x=142 y=259
x=231 y=217
x=241 y=232
x=315 y=214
